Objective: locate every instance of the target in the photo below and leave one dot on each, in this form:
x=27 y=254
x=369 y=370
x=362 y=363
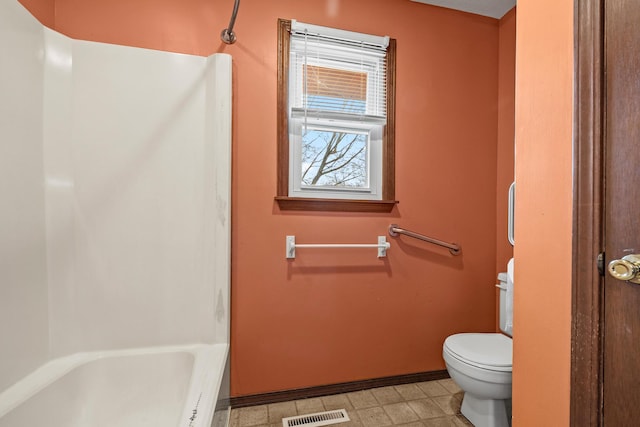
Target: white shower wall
x=134 y=189
x=129 y=209
x=23 y=268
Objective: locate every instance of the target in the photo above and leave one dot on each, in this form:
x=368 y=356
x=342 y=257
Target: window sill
x=334 y=205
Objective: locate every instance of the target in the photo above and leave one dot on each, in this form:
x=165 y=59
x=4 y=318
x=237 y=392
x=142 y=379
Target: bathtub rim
x=204 y=383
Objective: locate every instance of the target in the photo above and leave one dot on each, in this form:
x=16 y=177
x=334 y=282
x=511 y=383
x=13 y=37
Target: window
x=335 y=119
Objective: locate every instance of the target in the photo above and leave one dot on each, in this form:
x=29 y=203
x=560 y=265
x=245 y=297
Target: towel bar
x=382 y=246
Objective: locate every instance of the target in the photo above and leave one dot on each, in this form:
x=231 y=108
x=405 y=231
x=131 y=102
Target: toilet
x=480 y=363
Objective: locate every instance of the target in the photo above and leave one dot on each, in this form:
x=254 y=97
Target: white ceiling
x=493 y=8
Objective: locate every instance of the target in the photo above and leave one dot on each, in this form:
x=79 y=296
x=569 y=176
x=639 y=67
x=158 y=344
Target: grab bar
x=512 y=210
x=382 y=246
x=395 y=230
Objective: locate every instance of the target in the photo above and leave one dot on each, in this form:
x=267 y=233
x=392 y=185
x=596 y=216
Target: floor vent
x=318 y=419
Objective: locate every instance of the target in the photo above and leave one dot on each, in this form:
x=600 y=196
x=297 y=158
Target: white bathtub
x=153 y=387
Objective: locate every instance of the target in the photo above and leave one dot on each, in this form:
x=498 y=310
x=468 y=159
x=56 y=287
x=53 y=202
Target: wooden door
x=621 y=319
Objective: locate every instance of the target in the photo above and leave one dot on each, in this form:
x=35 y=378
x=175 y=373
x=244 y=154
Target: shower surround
x=115 y=192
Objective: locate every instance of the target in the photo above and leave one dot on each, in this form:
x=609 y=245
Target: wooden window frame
x=388 y=141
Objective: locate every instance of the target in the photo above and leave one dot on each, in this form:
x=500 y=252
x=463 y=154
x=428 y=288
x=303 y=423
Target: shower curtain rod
x=227 y=35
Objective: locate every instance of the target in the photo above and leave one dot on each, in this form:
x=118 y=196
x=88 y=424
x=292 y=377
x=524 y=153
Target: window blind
x=337 y=74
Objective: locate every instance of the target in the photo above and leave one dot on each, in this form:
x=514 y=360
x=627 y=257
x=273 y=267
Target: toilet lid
x=491 y=350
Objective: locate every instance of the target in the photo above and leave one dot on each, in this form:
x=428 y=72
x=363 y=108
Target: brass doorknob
x=627 y=268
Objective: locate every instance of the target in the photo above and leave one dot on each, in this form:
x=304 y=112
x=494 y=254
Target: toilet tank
x=506 y=301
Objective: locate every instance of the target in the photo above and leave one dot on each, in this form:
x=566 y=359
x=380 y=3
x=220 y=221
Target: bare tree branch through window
x=331 y=158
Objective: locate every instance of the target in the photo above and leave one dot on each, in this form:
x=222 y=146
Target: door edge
x=588 y=197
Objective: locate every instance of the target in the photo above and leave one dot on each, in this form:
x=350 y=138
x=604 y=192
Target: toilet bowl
x=481 y=364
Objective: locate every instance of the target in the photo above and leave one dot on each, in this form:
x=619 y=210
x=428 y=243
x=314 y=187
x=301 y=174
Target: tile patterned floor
x=425 y=404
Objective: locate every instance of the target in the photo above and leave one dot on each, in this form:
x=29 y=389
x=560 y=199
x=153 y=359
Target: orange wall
x=185 y=26
x=43 y=10
x=341 y=315
x=542 y=307
x=334 y=316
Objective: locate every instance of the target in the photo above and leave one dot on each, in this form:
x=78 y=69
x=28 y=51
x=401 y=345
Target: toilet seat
x=493 y=352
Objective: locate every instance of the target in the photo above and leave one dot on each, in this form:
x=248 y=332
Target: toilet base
x=485 y=412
